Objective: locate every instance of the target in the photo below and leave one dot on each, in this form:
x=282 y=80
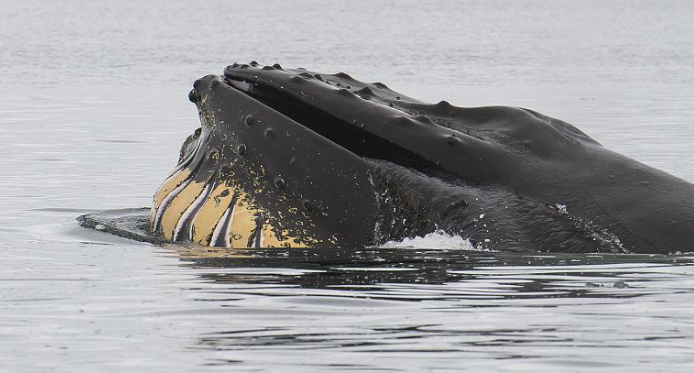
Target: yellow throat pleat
x=210 y=213
x=243 y=224
x=167 y=187
x=178 y=206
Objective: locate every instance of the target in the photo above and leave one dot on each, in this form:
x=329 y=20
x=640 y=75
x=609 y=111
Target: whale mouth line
x=354 y=137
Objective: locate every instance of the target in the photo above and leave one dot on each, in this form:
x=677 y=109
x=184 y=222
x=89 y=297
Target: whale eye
x=241 y=149
x=249 y=120
x=189 y=145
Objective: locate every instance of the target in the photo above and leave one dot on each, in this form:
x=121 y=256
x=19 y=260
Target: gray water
x=93 y=112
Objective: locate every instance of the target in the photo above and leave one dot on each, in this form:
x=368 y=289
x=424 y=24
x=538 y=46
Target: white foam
x=438 y=240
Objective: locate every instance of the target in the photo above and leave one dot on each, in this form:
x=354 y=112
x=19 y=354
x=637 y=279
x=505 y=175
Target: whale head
x=290 y=157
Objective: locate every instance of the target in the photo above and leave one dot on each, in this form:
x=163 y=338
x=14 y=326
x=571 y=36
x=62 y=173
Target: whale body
x=291 y=157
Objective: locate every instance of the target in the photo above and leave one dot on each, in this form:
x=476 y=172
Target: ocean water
x=94 y=109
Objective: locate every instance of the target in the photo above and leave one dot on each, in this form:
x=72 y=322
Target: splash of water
x=438 y=239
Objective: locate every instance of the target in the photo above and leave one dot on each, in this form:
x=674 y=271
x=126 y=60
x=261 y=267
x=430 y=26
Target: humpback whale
x=291 y=157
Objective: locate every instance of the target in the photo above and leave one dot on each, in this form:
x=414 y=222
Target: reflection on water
x=454 y=308
x=489 y=275
x=87 y=299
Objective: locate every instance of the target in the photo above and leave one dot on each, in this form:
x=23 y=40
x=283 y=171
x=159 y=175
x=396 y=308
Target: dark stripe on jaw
x=184 y=227
x=254 y=238
x=196 y=161
x=166 y=202
x=220 y=233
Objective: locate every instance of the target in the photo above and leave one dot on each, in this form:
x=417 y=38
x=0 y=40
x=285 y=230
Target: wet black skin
x=363 y=164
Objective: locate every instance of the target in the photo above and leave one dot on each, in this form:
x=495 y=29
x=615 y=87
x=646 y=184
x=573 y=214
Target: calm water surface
x=93 y=112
